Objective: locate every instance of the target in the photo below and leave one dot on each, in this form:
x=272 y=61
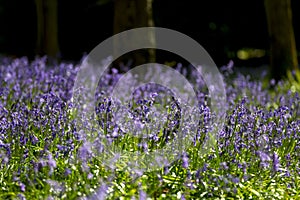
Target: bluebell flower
x=142 y=195
x=264 y=159
x=276 y=163
x=185 y=161
x=22 y=187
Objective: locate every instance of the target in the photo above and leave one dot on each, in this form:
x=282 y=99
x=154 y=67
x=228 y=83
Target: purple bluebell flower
x=56 y=186
x=68 y=171
x=224 y=165
x=22 y=186
x=85 y=151
x=51 y=163
x=101 y=193
x=264 y=159
x=235 y=180
x=185 y=161
x=21 y=196
x=142 y=195
x=90 y=176
x=276 y=163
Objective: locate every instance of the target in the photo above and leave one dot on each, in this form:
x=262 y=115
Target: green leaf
x=254 y=192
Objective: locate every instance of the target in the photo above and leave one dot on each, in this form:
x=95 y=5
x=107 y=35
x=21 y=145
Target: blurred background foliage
x=228 y=30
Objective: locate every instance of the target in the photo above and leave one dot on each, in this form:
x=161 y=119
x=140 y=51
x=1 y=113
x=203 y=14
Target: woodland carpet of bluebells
x=43 y=154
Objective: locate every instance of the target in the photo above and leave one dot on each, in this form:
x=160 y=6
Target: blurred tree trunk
x=282 y=39
x=47 y=28
x=129 y=14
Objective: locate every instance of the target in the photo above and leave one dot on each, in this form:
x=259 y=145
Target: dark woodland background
x=223 y=28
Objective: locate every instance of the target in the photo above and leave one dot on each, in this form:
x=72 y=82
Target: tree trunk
x=282 y=39
x=129 y=14
x=47 y=28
